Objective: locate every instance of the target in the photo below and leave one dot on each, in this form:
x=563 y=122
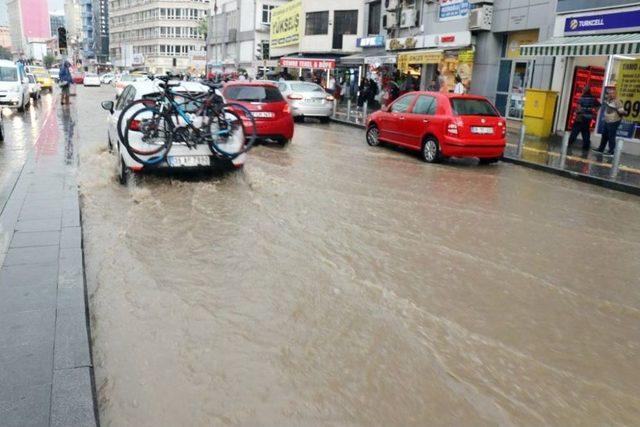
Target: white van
x=14 y=86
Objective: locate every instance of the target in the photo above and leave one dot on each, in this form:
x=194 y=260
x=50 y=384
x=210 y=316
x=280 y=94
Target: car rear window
x=8 y=74
x=472 y=107
x=254 y=93
x=306 y=87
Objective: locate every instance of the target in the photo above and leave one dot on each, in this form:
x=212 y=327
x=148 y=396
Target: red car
x=441 y=125
x=78 y=77
x=270 y=110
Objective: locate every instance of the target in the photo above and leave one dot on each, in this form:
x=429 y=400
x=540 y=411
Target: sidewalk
x=545 y=154
x=45 y=358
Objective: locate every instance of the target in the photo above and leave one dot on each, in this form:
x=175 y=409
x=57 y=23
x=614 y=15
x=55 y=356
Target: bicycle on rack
x=154 y=124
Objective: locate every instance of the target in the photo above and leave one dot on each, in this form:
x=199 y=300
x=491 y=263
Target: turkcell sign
x=377 y=41
x=608 y=23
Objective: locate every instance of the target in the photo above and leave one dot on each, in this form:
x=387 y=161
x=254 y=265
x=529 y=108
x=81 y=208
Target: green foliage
x=47 y=60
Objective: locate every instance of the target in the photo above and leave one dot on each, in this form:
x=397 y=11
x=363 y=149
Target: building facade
x=101 y=29
x=29 y=27
x=240 y=43
x=157 y=36
x=87 y=41
x=56 y=20
x=5 y=37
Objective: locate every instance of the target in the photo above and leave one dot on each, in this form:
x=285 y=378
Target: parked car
x=91 y=79
x=180 y=156
x=107 y=78
x=34 y=87
x=78 y=77
x=269 y=108
x=307 y=99
x=55 y=74
x=441 y=125
x=14 y=86
x=126 y=79
x=42 y=76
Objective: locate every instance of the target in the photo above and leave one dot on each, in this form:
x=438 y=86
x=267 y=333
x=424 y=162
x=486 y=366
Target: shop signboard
x=575 y=5
x=617 y=22
x=466 y=56
x=403 y=43
x=311 y=63
x=285 y=24
x=406 y=59
x=376 y=41
x=373 y=60
x=520 y=38
x=628 y=92
x=451 y=10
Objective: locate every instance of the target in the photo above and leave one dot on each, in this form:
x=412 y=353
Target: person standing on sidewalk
x=587 y=106
x=613 y=112
x=65 y=82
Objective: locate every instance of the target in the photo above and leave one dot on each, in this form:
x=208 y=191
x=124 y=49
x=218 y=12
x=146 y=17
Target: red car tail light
x=452 y=128
x=295 y=96
x=503 y=128
x=286 y=109
x=134 y=125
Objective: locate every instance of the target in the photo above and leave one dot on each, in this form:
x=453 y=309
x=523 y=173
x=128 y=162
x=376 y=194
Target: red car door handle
x=425 y=121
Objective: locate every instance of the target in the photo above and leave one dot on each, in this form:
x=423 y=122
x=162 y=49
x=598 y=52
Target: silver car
x=307 y=99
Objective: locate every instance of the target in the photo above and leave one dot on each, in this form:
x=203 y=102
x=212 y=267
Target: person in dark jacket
x=371 y=94
x=585 y=112
x=65 y=82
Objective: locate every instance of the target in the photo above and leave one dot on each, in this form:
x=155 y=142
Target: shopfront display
x=449 y=63
x=584 y=76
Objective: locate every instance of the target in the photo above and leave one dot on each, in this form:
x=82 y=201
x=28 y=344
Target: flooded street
x=332 y=283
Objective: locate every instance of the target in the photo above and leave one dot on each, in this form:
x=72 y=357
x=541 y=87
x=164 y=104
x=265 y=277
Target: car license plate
x=315 y=100
x=263 y=114
x=188 y=161
x=482 y=130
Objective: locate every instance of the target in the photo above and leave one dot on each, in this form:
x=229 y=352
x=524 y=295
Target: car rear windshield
x=306 y=87
x=254 y=93
x=472 y=107
x=8 y=74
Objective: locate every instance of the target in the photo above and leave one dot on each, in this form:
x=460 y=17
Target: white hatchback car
x=180 y=156
x=91 y=79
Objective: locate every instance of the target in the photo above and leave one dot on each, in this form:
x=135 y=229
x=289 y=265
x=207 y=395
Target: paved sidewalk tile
x=27 y=407
x=38 y=225
x=71 y=400
x=43 y=275
x=26 y=327
x=42 y=238
x=32 y=255
x=71 y=237
x=72 y=339
x=14 y=299
x=25 y=365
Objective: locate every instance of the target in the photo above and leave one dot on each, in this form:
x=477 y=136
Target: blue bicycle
x=172 y=117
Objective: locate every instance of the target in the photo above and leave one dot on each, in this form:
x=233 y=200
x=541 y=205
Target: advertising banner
x=312 y=63
x=603 y=23
x=628 y=91
x=418 y=58
x=451 y=10
x=285 y=24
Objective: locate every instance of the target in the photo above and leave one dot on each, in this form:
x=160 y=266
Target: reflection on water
x=331 y=283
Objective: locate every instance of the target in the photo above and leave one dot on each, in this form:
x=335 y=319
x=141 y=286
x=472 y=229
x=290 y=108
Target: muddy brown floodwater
x=331 y=283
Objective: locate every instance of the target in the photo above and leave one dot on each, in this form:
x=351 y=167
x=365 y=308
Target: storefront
x=595 y=50
x=515 y=74
x=311 y=69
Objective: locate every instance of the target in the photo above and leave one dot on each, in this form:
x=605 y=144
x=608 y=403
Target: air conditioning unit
x=389 y=20
x=391 y=4
x=408 y=18
x=480 y=18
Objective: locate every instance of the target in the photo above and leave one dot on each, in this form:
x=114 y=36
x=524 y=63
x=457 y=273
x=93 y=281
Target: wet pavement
x=331 y=283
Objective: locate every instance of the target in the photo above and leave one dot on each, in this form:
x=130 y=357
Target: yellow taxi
x=42 y=76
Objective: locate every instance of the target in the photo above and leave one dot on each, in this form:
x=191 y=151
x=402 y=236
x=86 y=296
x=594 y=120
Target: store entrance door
x=514 y=78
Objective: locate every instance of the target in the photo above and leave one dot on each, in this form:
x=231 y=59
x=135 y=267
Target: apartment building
x=236 y=43
x=154 y=35
x=101 y=29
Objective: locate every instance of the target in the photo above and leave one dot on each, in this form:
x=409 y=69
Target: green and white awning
x=610 y=44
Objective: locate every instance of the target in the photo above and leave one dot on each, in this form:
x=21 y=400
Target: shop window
x=266 y=13
x=402 y=104
x=374 y=18
x=425 y=105
x=317 y=23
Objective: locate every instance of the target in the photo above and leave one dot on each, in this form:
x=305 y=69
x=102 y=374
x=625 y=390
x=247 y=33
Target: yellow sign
x=520 y=38
x=628 y=89
x=285 y=24
x=466 y=56
x=417 y=58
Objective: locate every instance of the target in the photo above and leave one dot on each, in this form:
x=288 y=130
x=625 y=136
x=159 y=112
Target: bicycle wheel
x=147 y=102
x=147 y=136
x=232 y=132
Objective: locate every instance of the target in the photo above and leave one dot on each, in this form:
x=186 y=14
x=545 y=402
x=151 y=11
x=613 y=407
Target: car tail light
x=295 y=96
x=503 y=128
x=452 y=127
x=286 y=109
x=134 y=125
x=330 y=98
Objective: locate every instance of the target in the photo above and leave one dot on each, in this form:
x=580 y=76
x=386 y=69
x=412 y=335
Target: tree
x=47 y=60
x=203 y=27
x=5 y=53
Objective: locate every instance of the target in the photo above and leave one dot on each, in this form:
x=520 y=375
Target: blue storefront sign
x=377 y=41
x=453 y=9
x=603 y=23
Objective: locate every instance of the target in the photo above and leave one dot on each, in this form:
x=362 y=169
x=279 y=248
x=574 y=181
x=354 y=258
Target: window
x=8 y=74
x=425 y=105
x=317 y=23
x=253 y=93
x=306 y=87
x=346 y=21
x=374 y=18
x=472 y=107
x=402 y=104
x=266 y=13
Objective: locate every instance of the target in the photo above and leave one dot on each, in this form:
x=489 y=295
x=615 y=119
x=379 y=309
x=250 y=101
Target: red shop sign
x=312 y=63
x=447 y=39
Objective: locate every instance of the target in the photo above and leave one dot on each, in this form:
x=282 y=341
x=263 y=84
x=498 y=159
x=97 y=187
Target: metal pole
x=364 y=111
x=563 y=149
x=521 y=141
x=616 y=158
x=348 y=109
x=335 y=107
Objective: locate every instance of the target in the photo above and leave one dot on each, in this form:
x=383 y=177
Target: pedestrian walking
x=585 y=112
x=613 y=113
x=65 y=82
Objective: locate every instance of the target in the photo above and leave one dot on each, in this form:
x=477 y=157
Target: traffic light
x=265 y=50
x=259 y=52
x=62 y=38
